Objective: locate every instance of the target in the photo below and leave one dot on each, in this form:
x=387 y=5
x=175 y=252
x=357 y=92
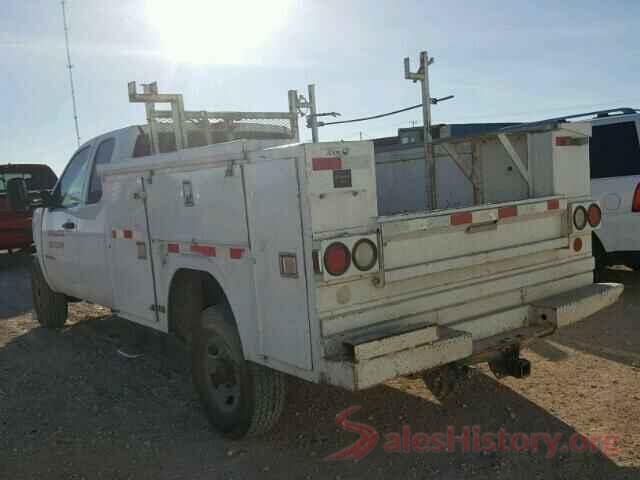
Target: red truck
x=15 y=227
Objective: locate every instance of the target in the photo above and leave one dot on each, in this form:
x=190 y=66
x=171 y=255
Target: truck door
x=129 y=250
x=279 y=272
x=87 y=239
x=60 y=261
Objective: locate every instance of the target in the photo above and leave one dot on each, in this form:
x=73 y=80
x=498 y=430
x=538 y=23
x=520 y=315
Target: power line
x=362 y=119
x=70 y=67
x=485 y=116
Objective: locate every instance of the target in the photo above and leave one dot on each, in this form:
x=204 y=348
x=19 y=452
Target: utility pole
x=422 y=75
x=70 y=67
x=313 y=113
x=312 y=116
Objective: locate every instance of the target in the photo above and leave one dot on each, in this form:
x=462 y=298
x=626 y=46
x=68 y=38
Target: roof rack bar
x=182 y=119
x=597 y=113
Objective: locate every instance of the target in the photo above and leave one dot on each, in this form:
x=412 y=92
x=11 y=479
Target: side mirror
x=17 y=195
x=47 y=199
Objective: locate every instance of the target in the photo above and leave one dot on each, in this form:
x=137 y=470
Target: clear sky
x=503 y=60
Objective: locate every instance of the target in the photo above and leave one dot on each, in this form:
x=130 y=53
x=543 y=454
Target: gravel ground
x=72 y=408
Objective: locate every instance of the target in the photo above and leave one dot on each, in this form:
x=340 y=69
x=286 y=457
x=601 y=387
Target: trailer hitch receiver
x=510 y=364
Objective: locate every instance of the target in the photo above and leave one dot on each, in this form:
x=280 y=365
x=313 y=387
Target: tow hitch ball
x=510 y=364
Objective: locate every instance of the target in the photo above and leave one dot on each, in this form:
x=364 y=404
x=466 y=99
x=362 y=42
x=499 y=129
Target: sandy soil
x=72 y=408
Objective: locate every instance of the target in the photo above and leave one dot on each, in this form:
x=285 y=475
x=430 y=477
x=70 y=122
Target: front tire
x=240 y=398
x=50 y=307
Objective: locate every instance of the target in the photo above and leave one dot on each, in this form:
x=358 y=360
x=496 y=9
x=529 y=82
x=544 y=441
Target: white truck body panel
x=620 y=232
x=259 y=219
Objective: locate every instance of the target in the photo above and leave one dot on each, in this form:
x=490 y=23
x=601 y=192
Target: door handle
x=68 y=225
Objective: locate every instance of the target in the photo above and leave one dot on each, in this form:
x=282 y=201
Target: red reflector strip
x=461 y=218
x=326 y=163
x=506 y=212
x=204 y=250
x=571 y=141
x=236 y=252
x=553 y=204
x=128 y=234
x=173 y=248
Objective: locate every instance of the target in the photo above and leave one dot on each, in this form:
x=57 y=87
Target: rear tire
x=50 y=307
x=240 y=398
x=600 y=258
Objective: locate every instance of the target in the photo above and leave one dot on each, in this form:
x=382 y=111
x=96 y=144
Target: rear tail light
x=635 y=206
x=594 y=215
x=577 y=244
x=365 y=254
x=580 y=218
x=337 y=259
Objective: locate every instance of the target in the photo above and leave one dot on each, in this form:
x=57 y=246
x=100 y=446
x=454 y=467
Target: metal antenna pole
x=70 y=67
x=422 y=75
x=313 y=111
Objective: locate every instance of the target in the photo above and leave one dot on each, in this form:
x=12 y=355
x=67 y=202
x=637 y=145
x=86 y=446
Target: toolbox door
x=131 y=254
x=279 y=271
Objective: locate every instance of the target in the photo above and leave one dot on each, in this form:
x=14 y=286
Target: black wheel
x=50 y=307
x=446 y=380
x=240 y=398
x=600 y=257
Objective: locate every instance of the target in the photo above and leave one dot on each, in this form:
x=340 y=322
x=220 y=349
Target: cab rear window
x=614 y=150
x=36 y=178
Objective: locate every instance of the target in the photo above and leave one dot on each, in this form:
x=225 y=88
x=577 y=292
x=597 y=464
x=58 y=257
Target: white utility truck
x=270 y=259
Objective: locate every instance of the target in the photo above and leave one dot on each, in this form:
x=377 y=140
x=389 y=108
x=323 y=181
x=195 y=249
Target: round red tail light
x=337 y=259
x=580 y=217
x=594 y=215
x=577 y=244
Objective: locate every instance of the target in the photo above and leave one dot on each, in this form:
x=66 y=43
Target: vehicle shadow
x=14 y=284
x=483 y=404
x=91 y=410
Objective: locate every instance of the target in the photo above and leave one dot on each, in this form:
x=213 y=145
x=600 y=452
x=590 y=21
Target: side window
x=102 y=157
x=142 y=147
x=69 y=189
x=614 y=150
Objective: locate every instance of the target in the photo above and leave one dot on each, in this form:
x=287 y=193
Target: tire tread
x=52 y=307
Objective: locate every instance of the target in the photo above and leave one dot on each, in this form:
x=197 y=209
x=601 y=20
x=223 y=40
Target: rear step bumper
x=381 y=354
x=575 y=305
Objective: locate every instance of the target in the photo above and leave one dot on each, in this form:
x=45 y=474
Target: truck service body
x=318 y=285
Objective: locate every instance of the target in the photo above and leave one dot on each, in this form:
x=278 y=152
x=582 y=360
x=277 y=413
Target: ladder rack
x=176 y=128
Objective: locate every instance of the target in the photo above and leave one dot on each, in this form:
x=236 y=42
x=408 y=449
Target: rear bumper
x=377 y=355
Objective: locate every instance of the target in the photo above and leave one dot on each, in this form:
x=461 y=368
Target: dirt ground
x=72 y=408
